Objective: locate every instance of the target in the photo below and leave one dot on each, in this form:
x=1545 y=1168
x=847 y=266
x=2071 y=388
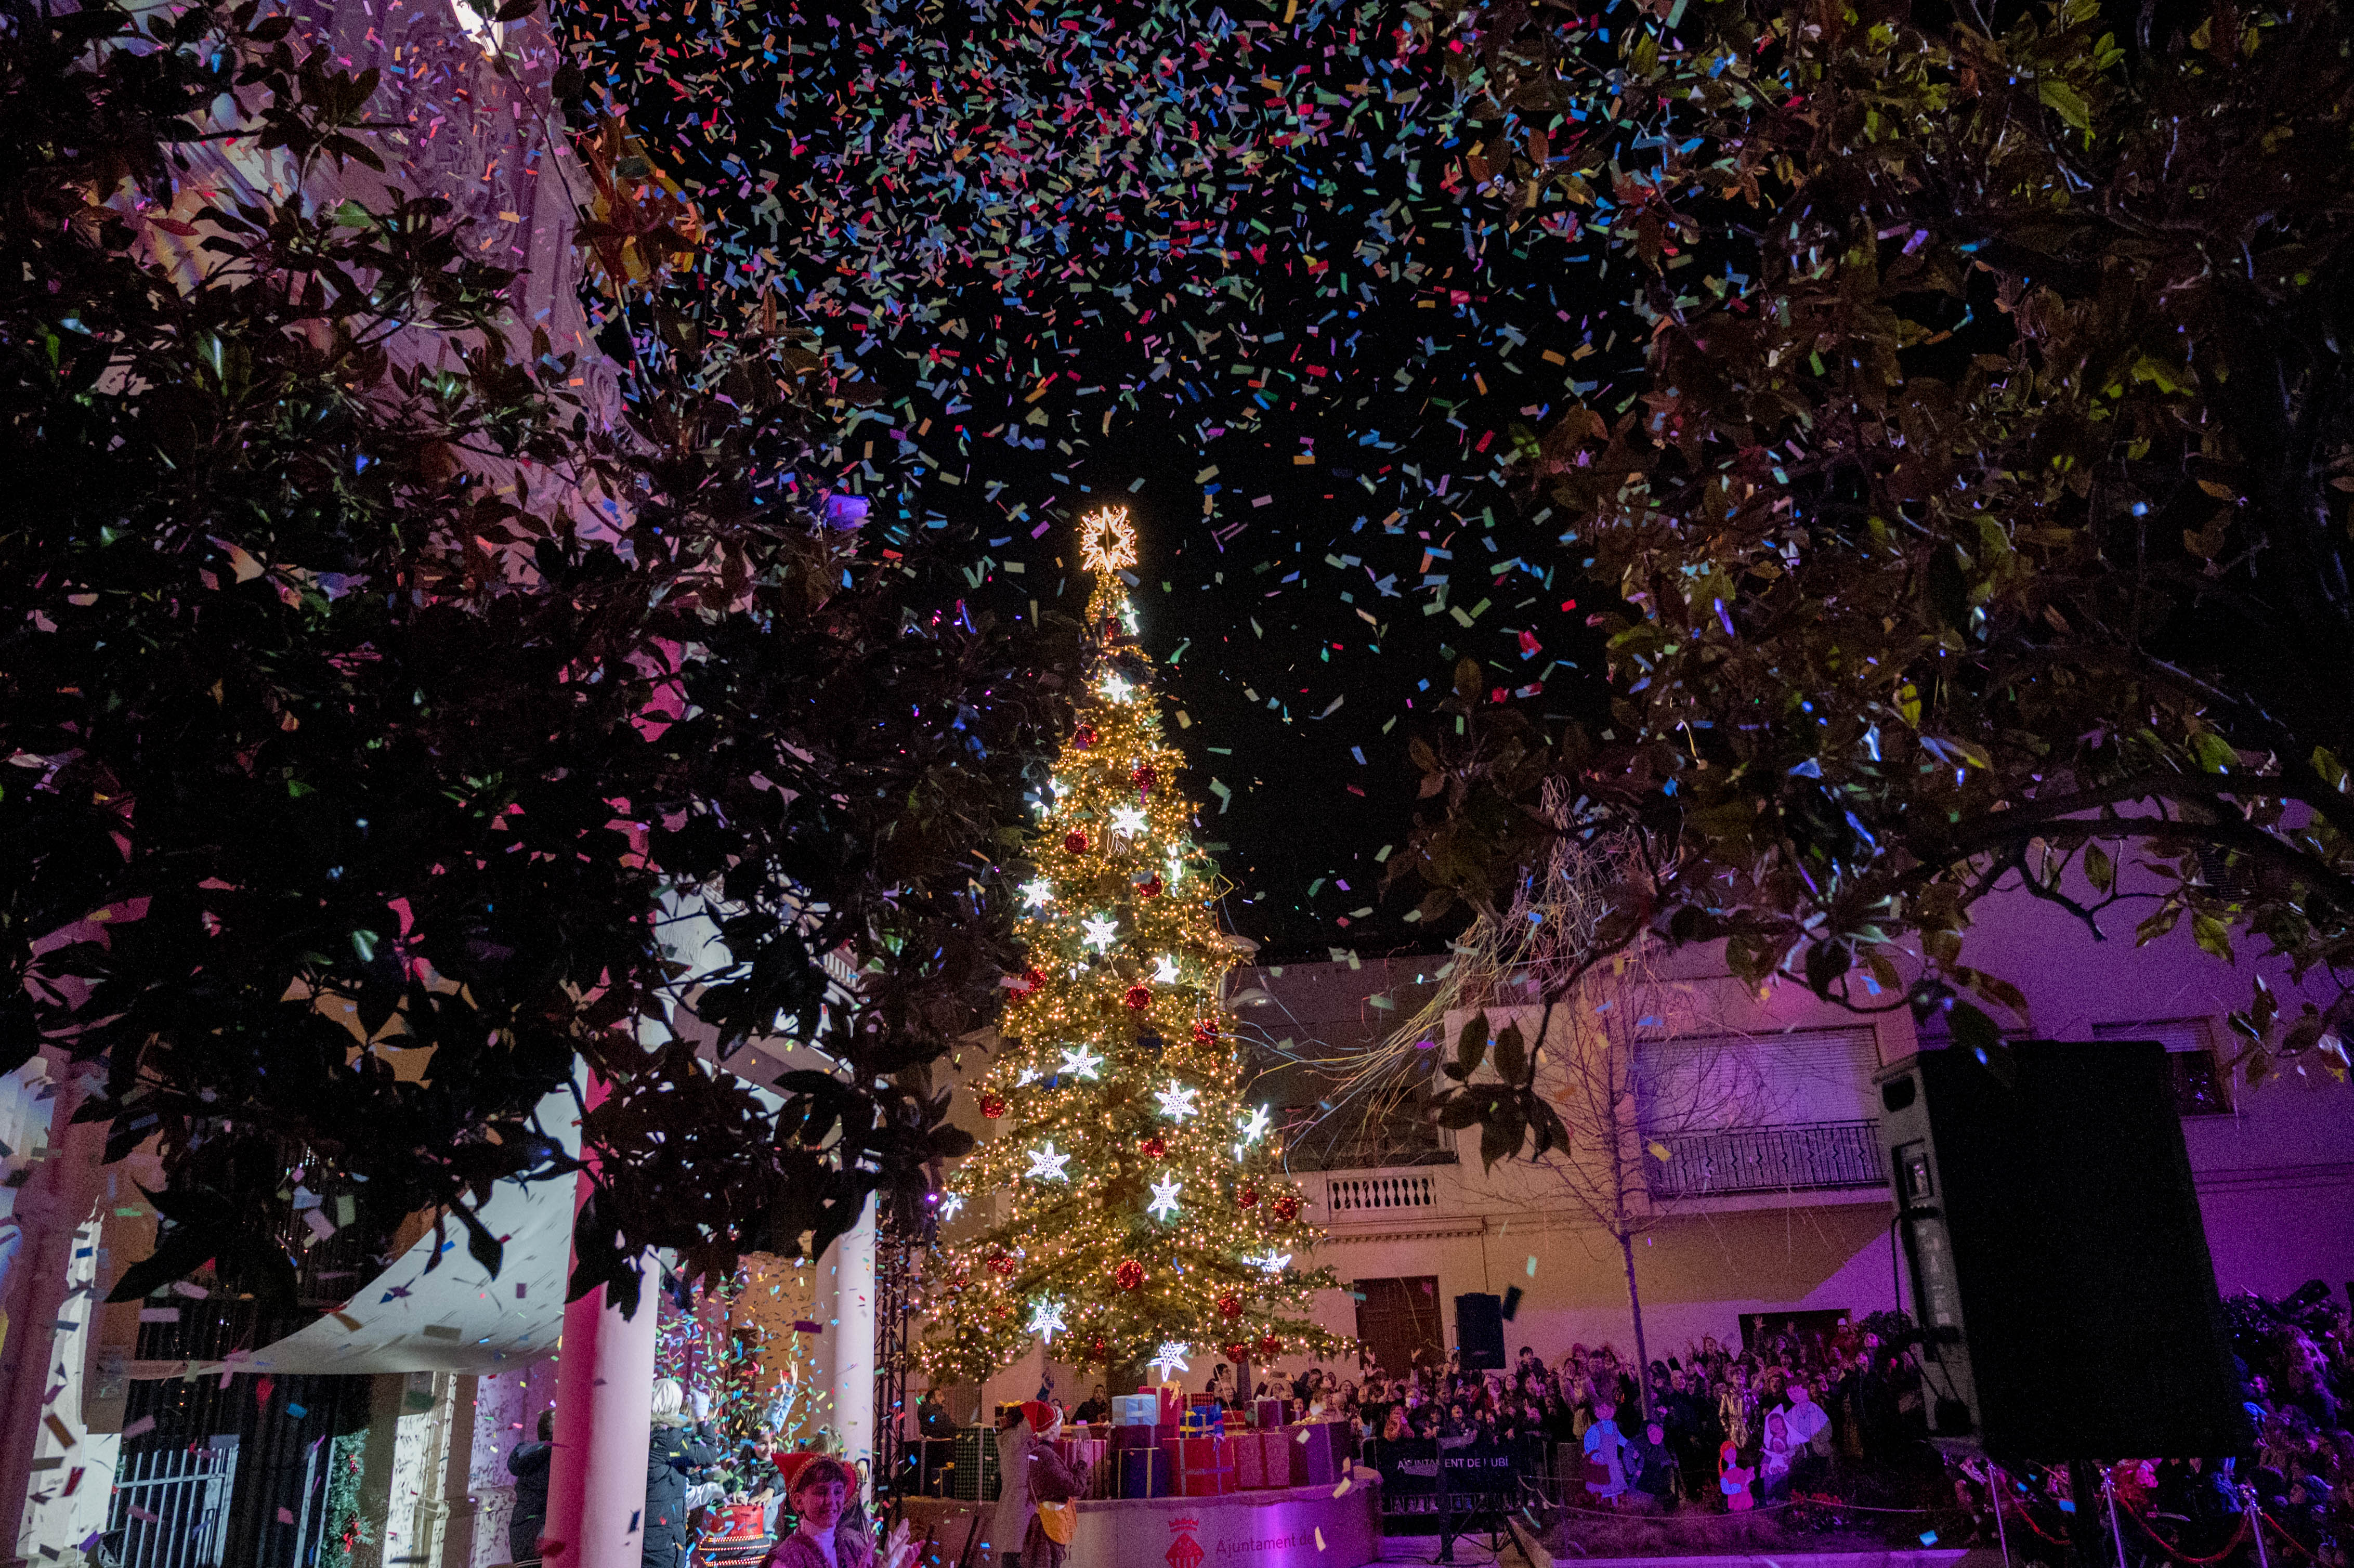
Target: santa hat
x=1040 y=1414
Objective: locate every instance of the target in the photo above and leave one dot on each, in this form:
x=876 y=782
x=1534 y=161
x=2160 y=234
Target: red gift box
x=1089 y=1459
x=1260 y=1461
x=1206 y=1468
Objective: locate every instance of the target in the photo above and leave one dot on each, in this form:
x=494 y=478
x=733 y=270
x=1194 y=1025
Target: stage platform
x=1290 y=1527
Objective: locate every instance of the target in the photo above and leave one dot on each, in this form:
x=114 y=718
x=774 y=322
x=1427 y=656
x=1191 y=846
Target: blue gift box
x=1144 y=1473
x=1203 y=1421
x=1135 y=1410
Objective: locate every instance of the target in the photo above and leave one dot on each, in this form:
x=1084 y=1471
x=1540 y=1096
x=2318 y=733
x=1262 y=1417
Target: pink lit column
x=604 y=1387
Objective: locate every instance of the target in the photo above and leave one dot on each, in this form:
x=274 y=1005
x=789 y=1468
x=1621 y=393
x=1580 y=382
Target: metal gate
x=170 y=1506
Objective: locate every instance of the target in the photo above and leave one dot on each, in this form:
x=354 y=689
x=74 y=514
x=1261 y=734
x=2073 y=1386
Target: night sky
x=1214 y=264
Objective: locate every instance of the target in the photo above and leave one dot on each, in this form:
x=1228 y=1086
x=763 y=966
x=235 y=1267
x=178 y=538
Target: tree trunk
x=1635 y=1306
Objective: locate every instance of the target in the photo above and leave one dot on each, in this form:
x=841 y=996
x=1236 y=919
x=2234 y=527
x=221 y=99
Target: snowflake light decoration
x=1046 y=1165
x=1164 y=1198
x=1108 y=539
x=1164 y=970
x=1257 y=1127
x=1171 y=1357
x=951 y=1205
x=1046 y=1318
x=1177 y=1102
x=1127 y=820
x=1079 y=1062
x=1270 y=1260
x=1038 y=892
x=1117 y=690
x=1102 y=930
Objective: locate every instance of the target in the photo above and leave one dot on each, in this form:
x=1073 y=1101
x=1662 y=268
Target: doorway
x=1398 y=1323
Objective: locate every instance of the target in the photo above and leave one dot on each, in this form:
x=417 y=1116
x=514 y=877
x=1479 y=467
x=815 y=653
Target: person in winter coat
x=528 y=1465
x=822 y=1496
x=1030 y=1473
x=674 y=1446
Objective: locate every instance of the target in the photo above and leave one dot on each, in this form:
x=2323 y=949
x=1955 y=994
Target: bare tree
x=1530 y=1008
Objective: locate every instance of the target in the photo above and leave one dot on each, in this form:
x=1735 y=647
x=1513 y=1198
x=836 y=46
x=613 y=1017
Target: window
x=2202 y=1086
x=1800 y=1078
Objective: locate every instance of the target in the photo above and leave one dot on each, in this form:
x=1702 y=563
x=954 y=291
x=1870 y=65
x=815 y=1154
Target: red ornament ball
x=1248 y=1197
x=1154 y=1148
x=1098 y=1348
x=1075 y=842
x=1269 y=1345
x=1139 y=997
x=1205 y=1032
x=1144 y=777
x=992 y=1106
x=1287 y=1206
x=1237 y=1352
x=1150 y=886
x=1085 y=736
x=1129 y=1274
x=1002 y=1266
x=1230 y=1306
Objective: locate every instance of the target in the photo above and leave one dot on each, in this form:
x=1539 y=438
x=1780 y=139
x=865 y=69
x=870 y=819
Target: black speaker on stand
x=2057 y=1259
x=1480 y=1331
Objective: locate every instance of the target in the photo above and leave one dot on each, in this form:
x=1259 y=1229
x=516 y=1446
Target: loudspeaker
x=1480 y=1332
x=2059 y=1264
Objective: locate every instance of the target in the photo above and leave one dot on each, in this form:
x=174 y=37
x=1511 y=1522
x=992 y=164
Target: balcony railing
x=1358 y=1194
x=1812 y=1157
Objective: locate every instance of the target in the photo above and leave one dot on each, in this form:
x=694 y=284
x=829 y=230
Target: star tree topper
x=1108 y=540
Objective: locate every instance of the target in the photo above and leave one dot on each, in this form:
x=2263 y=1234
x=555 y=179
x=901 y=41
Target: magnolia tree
x=1980 y=519
x=324 y=748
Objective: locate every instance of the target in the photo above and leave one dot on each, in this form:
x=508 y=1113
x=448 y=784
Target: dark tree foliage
x=340 y=732
x=1984 y=520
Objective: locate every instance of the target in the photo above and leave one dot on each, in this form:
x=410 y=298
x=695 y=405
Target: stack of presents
x=1165 y=1448
x=1163 y=1442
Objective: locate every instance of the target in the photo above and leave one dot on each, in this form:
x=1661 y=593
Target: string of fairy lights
x=1127 y=1209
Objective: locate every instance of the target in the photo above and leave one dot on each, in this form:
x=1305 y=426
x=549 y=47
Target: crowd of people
x=1838 y=1417
x=1819 y=1418
x=1724 y=1426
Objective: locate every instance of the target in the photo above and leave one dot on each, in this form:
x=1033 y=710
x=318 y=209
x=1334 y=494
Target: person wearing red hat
x=1031 y=1472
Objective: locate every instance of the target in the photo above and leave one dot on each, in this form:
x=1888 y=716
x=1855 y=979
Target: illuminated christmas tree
x=1136 y=1213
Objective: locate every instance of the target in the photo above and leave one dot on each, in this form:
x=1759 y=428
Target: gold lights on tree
x=1125 y=1202
x=1108 y=540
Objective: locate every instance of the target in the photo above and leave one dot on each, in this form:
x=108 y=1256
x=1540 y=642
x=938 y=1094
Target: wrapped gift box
x=1315 y=1450
x=1206 y=1468
x=1135 y=1410
x=1266 y=1414
x=1171 y=1399
x=1126 y=1437
x=1089 y=1458
x=1144 y=1473
x=1203 y=1421
x=1260 y=1461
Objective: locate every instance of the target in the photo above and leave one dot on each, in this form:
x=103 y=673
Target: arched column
x=853 y=1340
x=604 y=1388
